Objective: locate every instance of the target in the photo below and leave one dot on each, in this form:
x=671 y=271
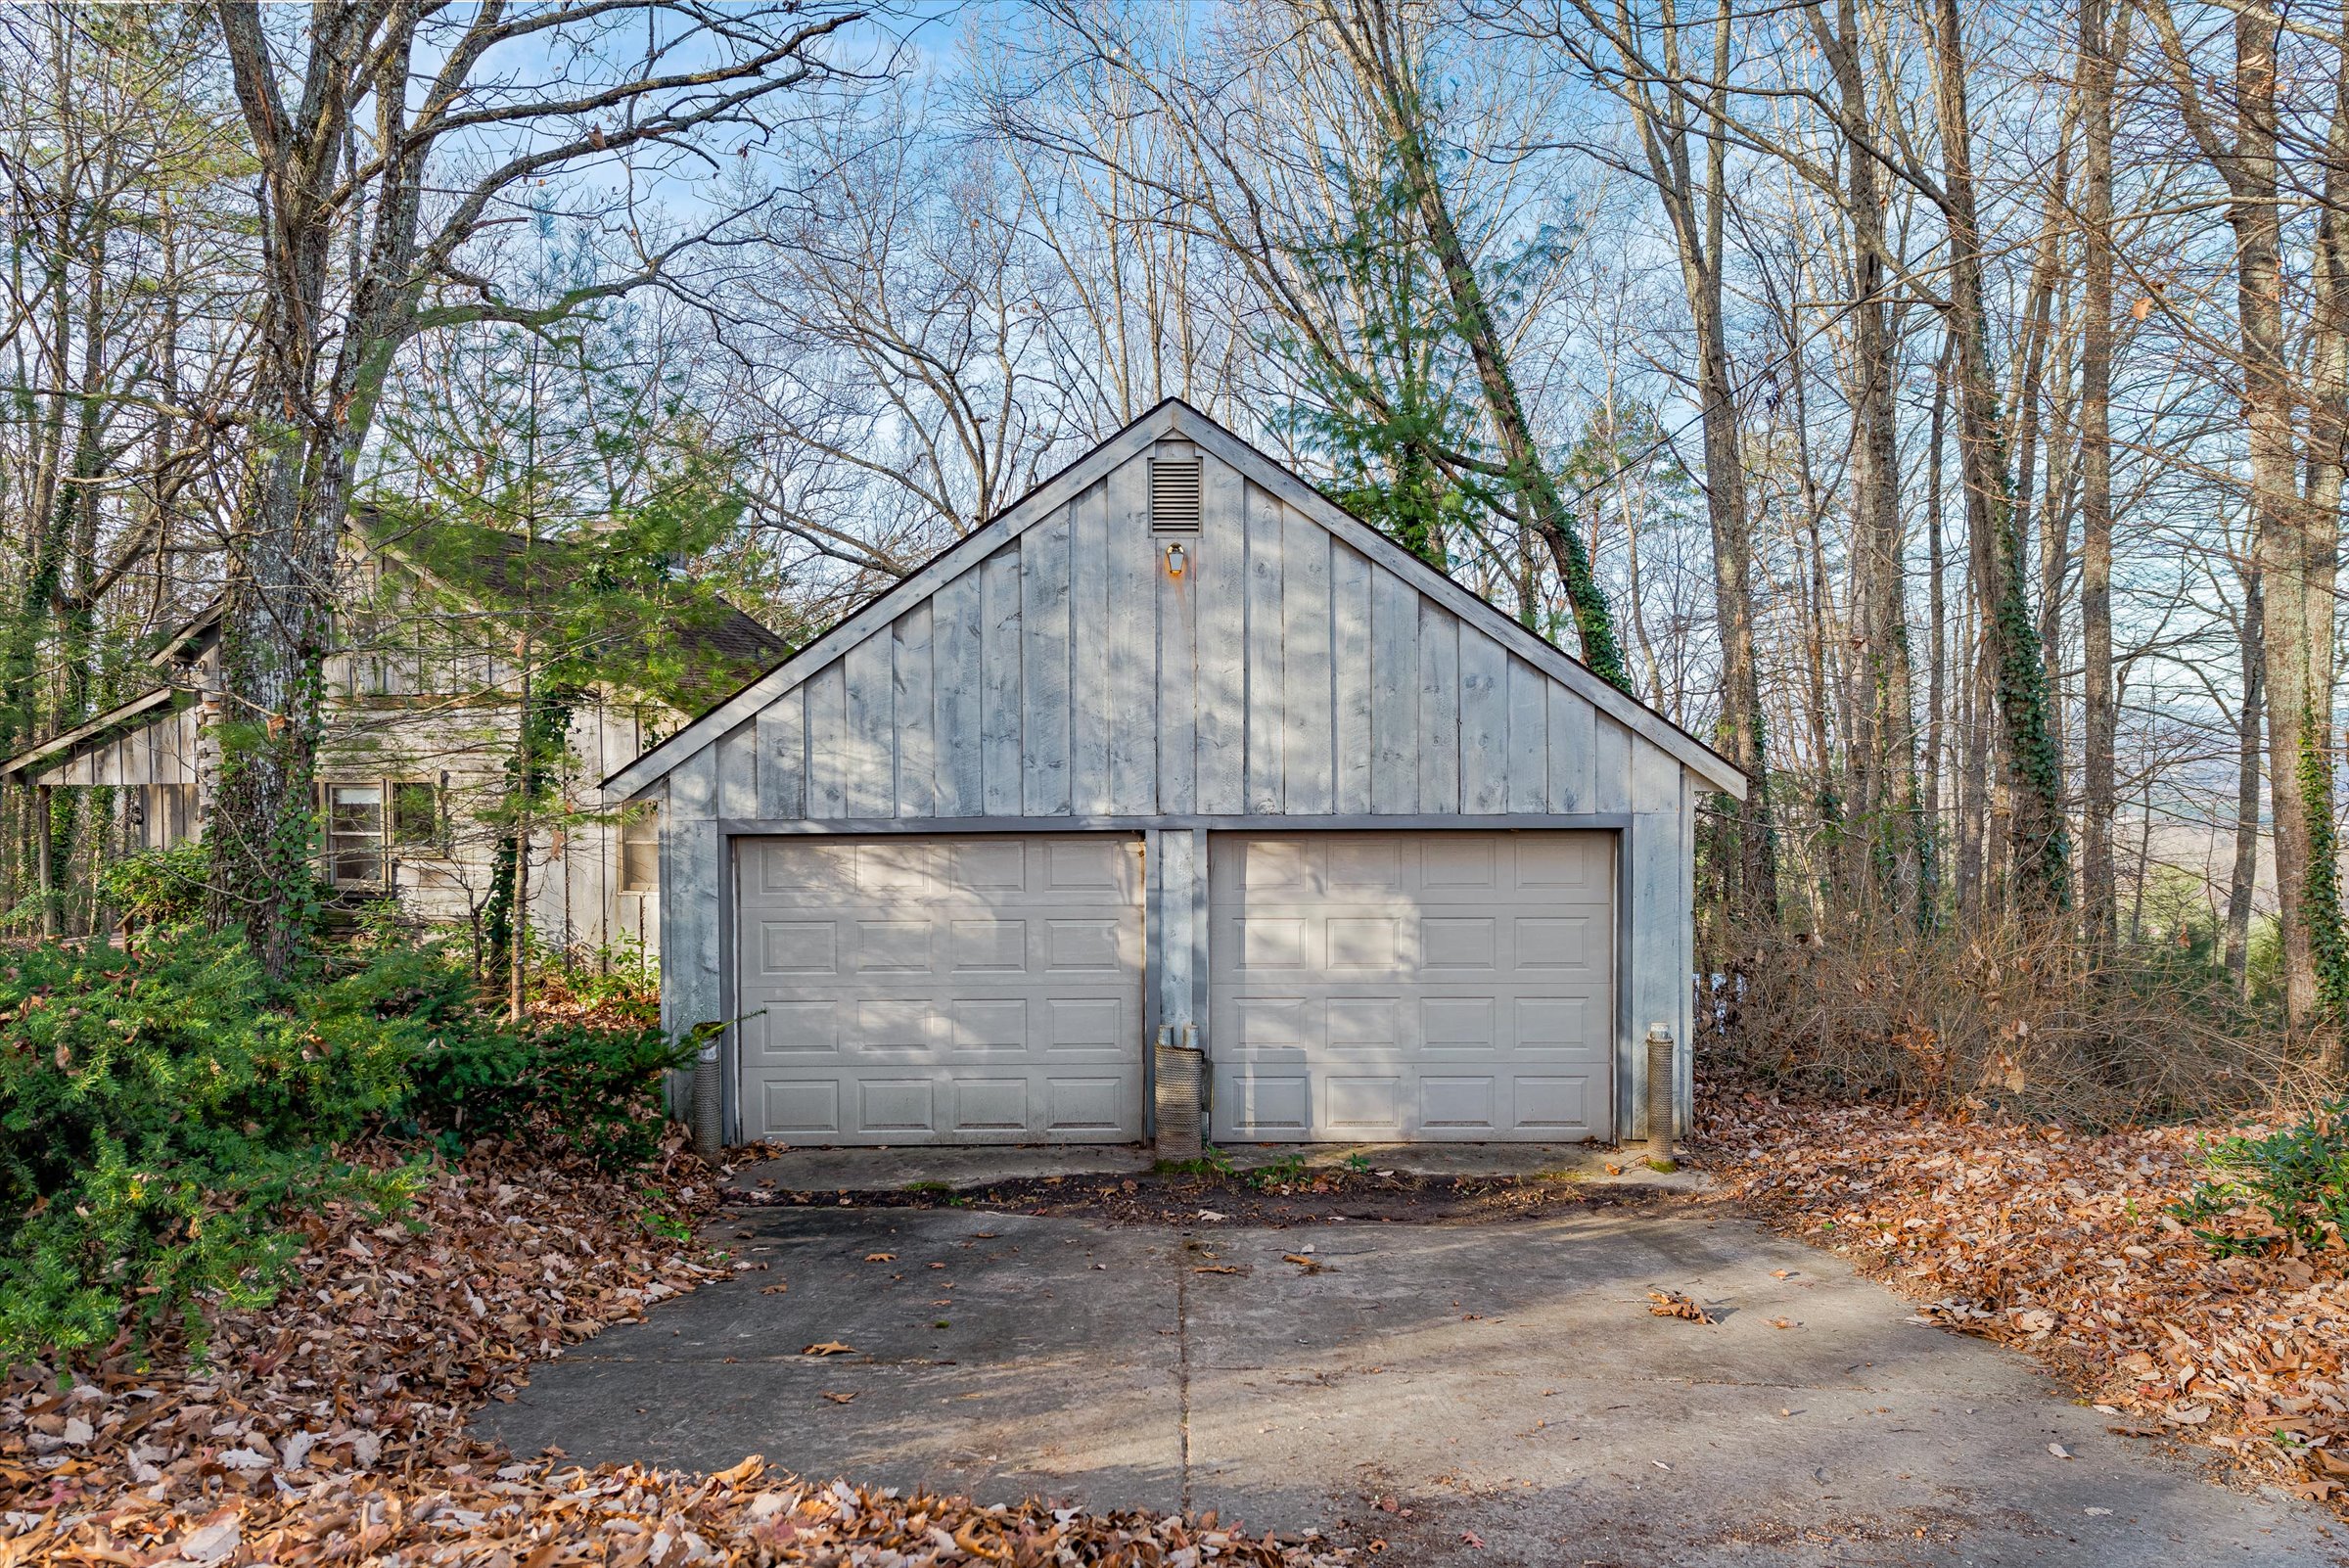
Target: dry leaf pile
x=2058 y=1243
x=1676 y=1303
x=329 y=1427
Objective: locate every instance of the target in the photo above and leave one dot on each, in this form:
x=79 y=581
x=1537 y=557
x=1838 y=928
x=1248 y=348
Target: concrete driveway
x=1476 y=1393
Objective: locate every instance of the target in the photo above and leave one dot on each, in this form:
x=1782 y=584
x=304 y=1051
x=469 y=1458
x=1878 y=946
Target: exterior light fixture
x=1177 y=559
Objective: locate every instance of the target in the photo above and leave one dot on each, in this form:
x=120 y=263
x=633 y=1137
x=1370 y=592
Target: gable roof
x=1174 y=418
x=731 y=640
x=731 y=643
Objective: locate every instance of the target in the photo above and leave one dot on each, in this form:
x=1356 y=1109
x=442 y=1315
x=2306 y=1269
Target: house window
x=354 y=835
x=416 y=816
x=640 y=848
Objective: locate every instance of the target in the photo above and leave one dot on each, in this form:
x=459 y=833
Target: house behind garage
x=1177 y=744
x=422 y=700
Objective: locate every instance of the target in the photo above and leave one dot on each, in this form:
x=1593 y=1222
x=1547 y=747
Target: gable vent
x=1175 y=490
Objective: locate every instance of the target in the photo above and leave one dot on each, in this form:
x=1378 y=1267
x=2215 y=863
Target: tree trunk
x=1884 y=802
x=2100 y=914
x=1366 y=30
x=1697 y=215
x=2327 y=340
x=2243 y=879
x=2040 y=849
x=1937 y=615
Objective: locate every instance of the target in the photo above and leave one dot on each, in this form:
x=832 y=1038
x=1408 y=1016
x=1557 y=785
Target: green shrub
x=166 y=1114
x=2297 y=1176
x=158 y=1111
x=597 y=1089
x=157 y=886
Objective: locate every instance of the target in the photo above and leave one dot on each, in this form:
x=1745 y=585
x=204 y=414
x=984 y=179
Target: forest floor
x=2060 y=1244
x=331 y=1426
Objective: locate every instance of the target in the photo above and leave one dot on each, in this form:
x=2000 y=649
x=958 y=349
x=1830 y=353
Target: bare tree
x=361 y=114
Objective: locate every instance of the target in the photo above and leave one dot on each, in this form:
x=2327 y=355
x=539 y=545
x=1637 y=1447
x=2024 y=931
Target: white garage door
x=1412 y=986
x=942 y=990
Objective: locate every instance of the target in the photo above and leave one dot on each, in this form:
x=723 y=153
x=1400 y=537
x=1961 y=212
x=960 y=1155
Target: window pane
x=640 y=848
x=355 y=809
x=357 y=866
x=355 y=834
x=415 y=813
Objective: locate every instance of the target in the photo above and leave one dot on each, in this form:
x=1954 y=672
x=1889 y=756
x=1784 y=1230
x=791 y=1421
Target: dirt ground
x=1262 y=1197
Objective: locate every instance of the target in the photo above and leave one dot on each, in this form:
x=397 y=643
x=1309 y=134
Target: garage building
x=1176 y=742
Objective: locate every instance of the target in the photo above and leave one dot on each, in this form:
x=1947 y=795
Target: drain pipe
x=1659 y=1095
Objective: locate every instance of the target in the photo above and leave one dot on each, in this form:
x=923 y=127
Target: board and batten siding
x=1063 y=677
x=1069 y=676
x=160 y=753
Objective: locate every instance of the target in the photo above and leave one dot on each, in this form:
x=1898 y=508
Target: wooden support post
x=41 y=827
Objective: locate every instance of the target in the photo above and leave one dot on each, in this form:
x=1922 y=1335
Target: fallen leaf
x=775 y=1289
x=829 y=1347
x=880 y=1257
x=1673 y=1303
x=1217 y=1268
x=2059 y=1451
x=1308 y=1264
x=355 y=1385
x=838 y=1399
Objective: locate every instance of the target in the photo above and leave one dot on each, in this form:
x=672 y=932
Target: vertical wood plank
x=869 y=668
x=166 y=751
x=1044 y=667
x=827 y=743
x=1177 y=697
x=1219 y=604
x=1610 y=764
x=1684 y=1056
x=1653 y=926
x=1529 y=738
x=1135 y=569
x=1655 y=778
x=783 y=757
x=1000 y=683
x=954 y=647
x=1569 y=750
x=1309 y=685
x=1173 y=903
x=1200 y=938
x=1394 y=693
x=693 y=787
x=1266 y=678
x=1093 y=715
x=1483 y=724
x=1349 y=676
x=916 y=715
x=738 y=771
x=1439 y=709
x=692 y=885
x=191 y=743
